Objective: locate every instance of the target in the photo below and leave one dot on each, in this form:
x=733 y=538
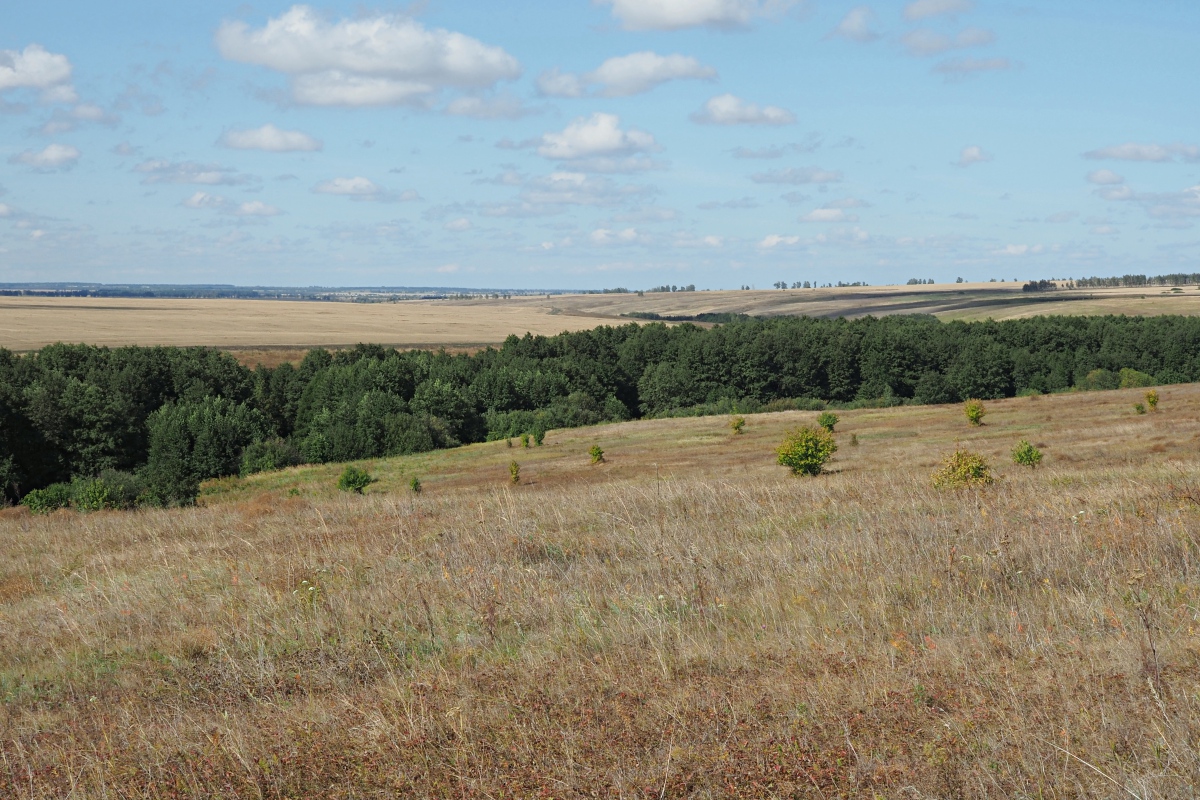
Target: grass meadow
x=684 y=620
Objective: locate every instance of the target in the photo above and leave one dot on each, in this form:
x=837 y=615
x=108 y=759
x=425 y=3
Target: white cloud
x=921 y=9
x=1061 y=217
x=963 y=67
x=924 y=42
x=857 y=25
x=369 y=61
x=204 y=200
x=1116 y=193
x=775 y=240
x=37 y=68
x=256 y=208
x=598 y=135
x=51 y=157
x=161 y=171
x=972 y=155
x=5 y=211
x=828 y=215
x=1020 y=250
x=644 y=15
x=625 y=165
x=270 y=139
x=1146 y=152
x=1105 y=177
x=728 y=109
x=349 y=187
x=625 y=75
x=457 y=225
x=797 y=176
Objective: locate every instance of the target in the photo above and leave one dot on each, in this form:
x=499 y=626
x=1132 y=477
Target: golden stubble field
x=683 y=620
x=270 y=331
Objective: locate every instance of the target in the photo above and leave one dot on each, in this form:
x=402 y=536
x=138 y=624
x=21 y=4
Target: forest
x=94 y=426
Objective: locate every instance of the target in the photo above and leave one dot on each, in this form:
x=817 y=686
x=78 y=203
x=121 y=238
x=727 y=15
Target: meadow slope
x=683 y=620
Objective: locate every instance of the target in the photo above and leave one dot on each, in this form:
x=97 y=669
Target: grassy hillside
x=683 y=620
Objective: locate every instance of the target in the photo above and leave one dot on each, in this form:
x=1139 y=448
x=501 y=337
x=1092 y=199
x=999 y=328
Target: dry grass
x=685 y=620
x=273 y=331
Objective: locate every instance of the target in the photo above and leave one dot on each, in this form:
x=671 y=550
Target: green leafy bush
x=597 y=454
x=736 y=424
x=52 y=498
x=1139 y=408
x=975 y=411
x=805 y=450
x=415 y=485
x=827 y=420
x=539 y=435
x=1152 y=400
x=354 y=479
x=269 y=455
x=524 y=440
x=514 y=472
x=961 y=470
x=1132 y=379
x=1026 y=455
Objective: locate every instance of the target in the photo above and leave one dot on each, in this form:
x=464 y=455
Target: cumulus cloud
x=924 y=42
x=599 y=135
x=204 y=200
x=775 y=240
x=270 y=139
x=458 y=225
x=857 y=25
x=256 y=208
x=923 y=9
x=741 y=203
x=62 y=121
x=1131 y=151
x=368 y=61
x=828 y=215
x=1020 y=250
x=965 y=67
x=1104 y=177
x=358 y=187
x=625 y=75
x=728 y=109
x=37 y=68
x=162 y=171
x=500 y=106
x=665 y=15
x=51 y=157
x=972 y=155
x=797 y=176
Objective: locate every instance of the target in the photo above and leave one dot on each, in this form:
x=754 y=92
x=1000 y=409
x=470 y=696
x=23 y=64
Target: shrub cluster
x=806 y=450
x=963 y=469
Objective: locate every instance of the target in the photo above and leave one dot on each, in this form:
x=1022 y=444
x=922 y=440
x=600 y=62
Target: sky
x=587 y=144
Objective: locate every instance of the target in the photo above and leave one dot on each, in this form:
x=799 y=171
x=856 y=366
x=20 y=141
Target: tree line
x=166 y=419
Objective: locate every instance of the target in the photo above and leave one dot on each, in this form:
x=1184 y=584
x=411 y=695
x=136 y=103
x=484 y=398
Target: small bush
x=736 y=424
x=514 y=472
x=854 y=440
x=597 y=454
x=805 y=450
x=1026 y=455
x=415 y=485
x=1139 y=408
x=827 y=420
x=508 y=441
x=354 y=479
x=1133 y=379
x=963 y=469
x=524 y=440
x=975 y=411
x=52 y=498
x=539 y=435
x=269 y=455
x=1152 y=400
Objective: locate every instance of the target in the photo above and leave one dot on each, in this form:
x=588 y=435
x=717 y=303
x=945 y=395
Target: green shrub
x=805 y=450
x=827 y=420
x=1139 y=408
x=354 y=479
x=1099 y=379
x=1026 y=454
x=269 y=455
x=1152 y=400
x=963 y=469
x=1132 y=379
x=975 y=411
x=539 y=435
x=415 y=485
x=524 y=440
x=736 y=424
x=52 y=498
x=597 y=454
x=514 y=472
x=854 y=440
x=111 y=489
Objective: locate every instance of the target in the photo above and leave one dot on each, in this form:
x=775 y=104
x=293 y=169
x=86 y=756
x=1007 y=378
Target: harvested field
x=683 y=620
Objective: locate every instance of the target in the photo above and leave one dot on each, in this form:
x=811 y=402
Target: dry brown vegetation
x=273 y=331
x=684 y=620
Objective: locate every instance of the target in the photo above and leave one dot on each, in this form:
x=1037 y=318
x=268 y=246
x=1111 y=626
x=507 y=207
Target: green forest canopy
x=178 y=416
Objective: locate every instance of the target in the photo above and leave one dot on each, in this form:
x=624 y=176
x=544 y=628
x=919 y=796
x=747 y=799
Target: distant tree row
x=176 y=417
x=1135 y=281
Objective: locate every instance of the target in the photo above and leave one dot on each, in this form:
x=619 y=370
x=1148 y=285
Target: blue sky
x=597 y=143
